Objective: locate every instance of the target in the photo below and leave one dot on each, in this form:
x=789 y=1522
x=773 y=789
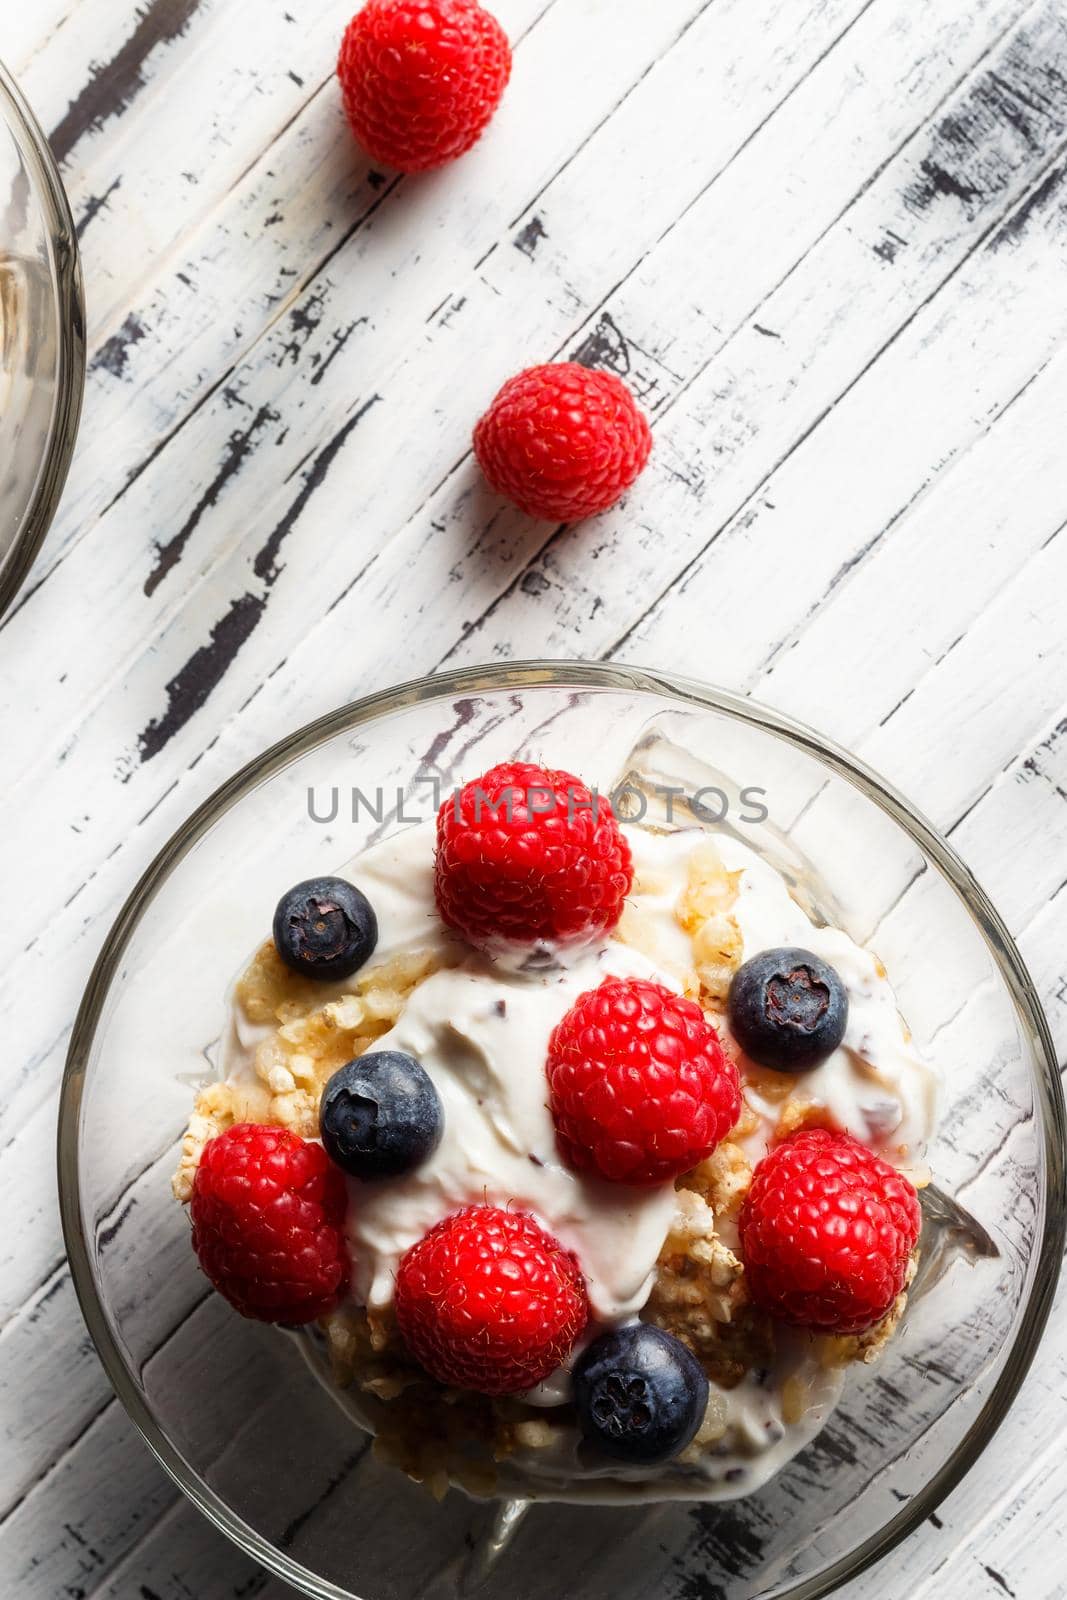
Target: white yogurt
x=482 y=1036
x=481 y=1030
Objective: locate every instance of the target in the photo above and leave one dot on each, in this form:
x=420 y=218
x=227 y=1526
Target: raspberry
x=827 y=1229
x=268 y=1212
x=563 y=442
x=528 y=856
x=640 y=1087
x=421 y=79
x=489 y=1301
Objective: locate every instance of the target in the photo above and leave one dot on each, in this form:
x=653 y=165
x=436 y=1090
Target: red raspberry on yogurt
x=529 y=859
x=641 y=1088
x=489 y=1301
x=268 y=1211
x=827 y=1231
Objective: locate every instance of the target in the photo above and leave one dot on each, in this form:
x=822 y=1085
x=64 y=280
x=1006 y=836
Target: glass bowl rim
x=69 y=303
x=576 y=674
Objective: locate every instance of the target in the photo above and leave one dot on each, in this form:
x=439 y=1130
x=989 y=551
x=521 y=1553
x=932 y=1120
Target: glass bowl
x=235 y=1412
x=42 y=338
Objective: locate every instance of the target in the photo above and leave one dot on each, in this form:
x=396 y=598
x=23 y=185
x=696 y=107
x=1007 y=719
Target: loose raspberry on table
x=268 y=1213
x=489 y=1301
x=827 y=1230
x=528 y=856
x=421 y=79
x=563 y=441
x=640 y=1087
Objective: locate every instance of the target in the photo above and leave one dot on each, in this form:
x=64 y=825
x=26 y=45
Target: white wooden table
x=825 y=240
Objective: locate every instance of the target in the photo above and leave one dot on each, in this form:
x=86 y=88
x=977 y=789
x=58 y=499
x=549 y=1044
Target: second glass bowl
x=42 y=338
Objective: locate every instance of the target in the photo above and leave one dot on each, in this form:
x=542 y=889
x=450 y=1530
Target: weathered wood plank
x=952 y=549
x=240 y=620
x=825 y=471
x=86 y=1516
x=1008 y=1561
x=32 y=1252
x=103 y=600
x=246 y=265
x=741 y=610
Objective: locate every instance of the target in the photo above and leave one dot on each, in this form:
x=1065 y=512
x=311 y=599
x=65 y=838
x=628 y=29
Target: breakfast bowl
x=42 y=337
x=243 y=1415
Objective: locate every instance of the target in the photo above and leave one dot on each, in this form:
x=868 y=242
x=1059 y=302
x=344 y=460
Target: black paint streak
x=453 y=310
x=768 y=333
x=980 y=151
x=387 y=187
x=94 y=205
x=188 y=690
x=897 y=1396
x=255 y=1585
x=1009 y=102
x=935 y=1521
x=264 y=565
x=605 y=347
x=726 y=1539
x=238 y=449
x=114 y=353
x=430 y=762
x=1006 y=117
x=113 y=86
x=303 y=320
x=698 y=1586
x=936 y=181
x=108 y=1235
x=1000 y=1581
x=528 y=238
x=340 y=339
x=289 y=1533
x=1035 y=202
x=542 y=555
x=832 y=1448
x=431 y=758
x=1054 y=737
x=890 y=247
x=49 y=1294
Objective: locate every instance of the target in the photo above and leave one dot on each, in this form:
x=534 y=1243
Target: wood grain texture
x=824 y=240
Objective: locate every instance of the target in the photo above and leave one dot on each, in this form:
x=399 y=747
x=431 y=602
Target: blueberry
x=380 y=1115
x=787 y=1009
x=325 y=928
x=640 y=1394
